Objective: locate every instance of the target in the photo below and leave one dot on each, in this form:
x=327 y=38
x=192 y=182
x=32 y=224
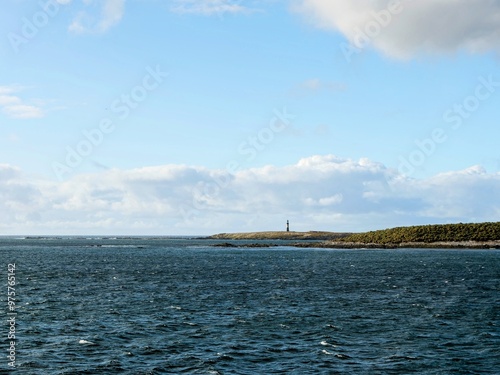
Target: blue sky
x=201 y=116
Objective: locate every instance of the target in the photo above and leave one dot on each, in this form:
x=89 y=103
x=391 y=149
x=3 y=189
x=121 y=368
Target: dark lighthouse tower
x=287 y=226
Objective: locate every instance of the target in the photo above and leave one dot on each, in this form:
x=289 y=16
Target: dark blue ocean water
x=167 y=306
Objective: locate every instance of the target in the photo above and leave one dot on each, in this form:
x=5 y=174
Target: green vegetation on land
x=480 y=232
x=479 y=236
x=277 y=235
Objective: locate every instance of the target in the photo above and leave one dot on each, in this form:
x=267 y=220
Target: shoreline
x=334 y=240
x=405 y=245
x=486 y=245
x=432 y=236
x=281 y=235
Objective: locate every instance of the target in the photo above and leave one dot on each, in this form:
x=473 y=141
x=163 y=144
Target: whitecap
x=325 y=343
x=85 y=342
x=342 y=356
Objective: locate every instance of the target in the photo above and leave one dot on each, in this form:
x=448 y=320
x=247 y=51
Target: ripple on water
x=170 y=309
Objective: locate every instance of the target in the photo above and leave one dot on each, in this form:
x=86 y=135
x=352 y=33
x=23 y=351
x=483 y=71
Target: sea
x=164 y=305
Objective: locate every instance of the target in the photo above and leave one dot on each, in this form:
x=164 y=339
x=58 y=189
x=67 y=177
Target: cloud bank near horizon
x=317 y=193
x=406 y=28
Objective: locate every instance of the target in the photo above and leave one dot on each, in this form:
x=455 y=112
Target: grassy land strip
x=448 y=236
x=426 y=234
x=311 y=236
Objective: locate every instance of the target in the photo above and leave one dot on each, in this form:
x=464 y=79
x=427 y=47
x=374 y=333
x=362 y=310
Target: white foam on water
x=324 y=343
x=85 y=342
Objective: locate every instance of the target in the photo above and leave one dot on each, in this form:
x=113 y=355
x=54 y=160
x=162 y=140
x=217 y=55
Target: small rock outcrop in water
x=228 y=244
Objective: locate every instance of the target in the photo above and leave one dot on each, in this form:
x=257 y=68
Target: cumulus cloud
x=405 y=28
x=109 y=14
x=15 y=107
x=319 y=192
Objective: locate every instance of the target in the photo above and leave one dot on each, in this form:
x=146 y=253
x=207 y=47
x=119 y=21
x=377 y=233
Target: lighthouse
x=287 y=226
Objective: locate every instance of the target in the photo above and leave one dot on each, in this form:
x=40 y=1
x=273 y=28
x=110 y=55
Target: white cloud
x=415 y=27
x=315 y=85
x=15 y=107
x=100 y=16
x=209 y=7
x=317 y=193
x=23 y=111
x=326 y=201
x=110 y=14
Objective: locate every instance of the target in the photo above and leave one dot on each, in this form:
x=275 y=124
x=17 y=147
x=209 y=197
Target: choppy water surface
x=165 y=306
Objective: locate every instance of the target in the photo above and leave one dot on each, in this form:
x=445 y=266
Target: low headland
x=441 y=236
x=311 y=236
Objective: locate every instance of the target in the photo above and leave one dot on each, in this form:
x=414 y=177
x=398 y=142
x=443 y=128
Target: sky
x=194 y=117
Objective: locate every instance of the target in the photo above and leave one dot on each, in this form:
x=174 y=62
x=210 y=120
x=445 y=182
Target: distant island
x=474 y=235
x=311 y=236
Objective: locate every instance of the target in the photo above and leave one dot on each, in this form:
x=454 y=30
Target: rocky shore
x=403 y=245
x=438 y=236
x=284 y=236
x=360 y=245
